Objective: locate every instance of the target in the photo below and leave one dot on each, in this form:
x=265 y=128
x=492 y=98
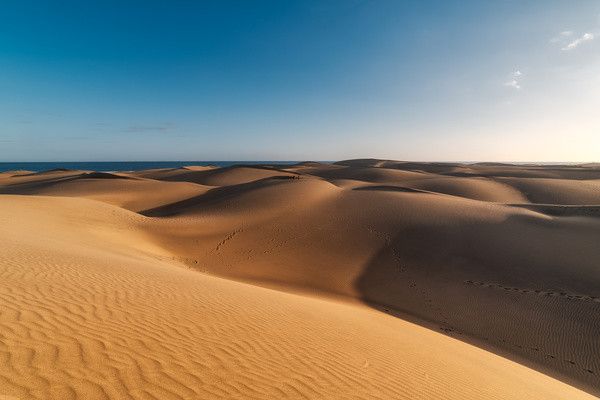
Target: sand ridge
x=134 y=288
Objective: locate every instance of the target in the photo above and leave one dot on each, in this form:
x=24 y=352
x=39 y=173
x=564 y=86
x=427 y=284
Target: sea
x=107 y=166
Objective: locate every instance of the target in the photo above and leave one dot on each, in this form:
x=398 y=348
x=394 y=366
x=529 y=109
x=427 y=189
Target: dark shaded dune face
x=314 y=169
x=584 y=171
x=426 y=167
x=575 y=173
x=291 y=236
x=388 y=188
x=431 y=168
x=362 y=163
x=563 y=210
x=491 y=164
x=557 y=191
x=471 y=188
x=186 y=173
x=269 y=194
x=102 y=175
x=226 y=176
x=375 y=175
x=49 y=174
x=37 y=184
x=167 y=173
x=528 y=286
x=131 y=193
x=34 y=183
x=307 y=164
x=155 y=173
x=50 y=171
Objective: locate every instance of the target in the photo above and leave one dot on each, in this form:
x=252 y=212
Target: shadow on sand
x=488 y=286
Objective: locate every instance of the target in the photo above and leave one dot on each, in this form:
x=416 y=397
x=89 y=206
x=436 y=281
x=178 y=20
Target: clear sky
x=298 y=80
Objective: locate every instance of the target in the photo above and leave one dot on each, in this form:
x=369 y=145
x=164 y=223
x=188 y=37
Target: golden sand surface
x=364 y=279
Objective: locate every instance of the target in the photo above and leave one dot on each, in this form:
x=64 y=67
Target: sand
x=366 y=279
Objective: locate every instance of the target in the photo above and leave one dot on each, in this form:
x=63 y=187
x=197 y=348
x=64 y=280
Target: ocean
x=106 y=166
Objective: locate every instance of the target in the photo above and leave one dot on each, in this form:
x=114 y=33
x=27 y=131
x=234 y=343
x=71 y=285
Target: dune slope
x=102 y=302
x=90 y=311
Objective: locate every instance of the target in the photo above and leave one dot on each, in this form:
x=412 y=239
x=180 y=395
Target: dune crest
x=393 y=280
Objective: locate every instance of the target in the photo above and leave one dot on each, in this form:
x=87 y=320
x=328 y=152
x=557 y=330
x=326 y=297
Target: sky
x=300 y=80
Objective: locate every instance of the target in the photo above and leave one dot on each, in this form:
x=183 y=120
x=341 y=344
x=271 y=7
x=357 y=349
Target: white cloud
x=561 y=37
x=514 y=81
x=586 y=37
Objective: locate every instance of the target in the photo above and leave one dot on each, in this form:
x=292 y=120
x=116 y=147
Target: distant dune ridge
x=363 y=279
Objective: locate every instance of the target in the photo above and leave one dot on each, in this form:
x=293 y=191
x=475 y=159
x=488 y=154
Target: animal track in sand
x=227 y=238
x=539 y=292
x=450 y=330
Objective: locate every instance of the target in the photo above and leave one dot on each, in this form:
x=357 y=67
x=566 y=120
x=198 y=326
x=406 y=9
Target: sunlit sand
x=364 y=279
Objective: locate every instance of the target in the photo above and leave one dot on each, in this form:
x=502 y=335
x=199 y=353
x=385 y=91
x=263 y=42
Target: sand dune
x=392 y=280
x=227 y=176
x=557 y=191
x=478 y=188
x=134 y=194
x=375 y=175
x=472 y=188
x=269 y=195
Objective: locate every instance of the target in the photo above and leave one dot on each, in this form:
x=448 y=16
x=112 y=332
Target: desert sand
x=363 y=279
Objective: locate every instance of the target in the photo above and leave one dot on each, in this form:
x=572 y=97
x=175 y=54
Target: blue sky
x=298 y=80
